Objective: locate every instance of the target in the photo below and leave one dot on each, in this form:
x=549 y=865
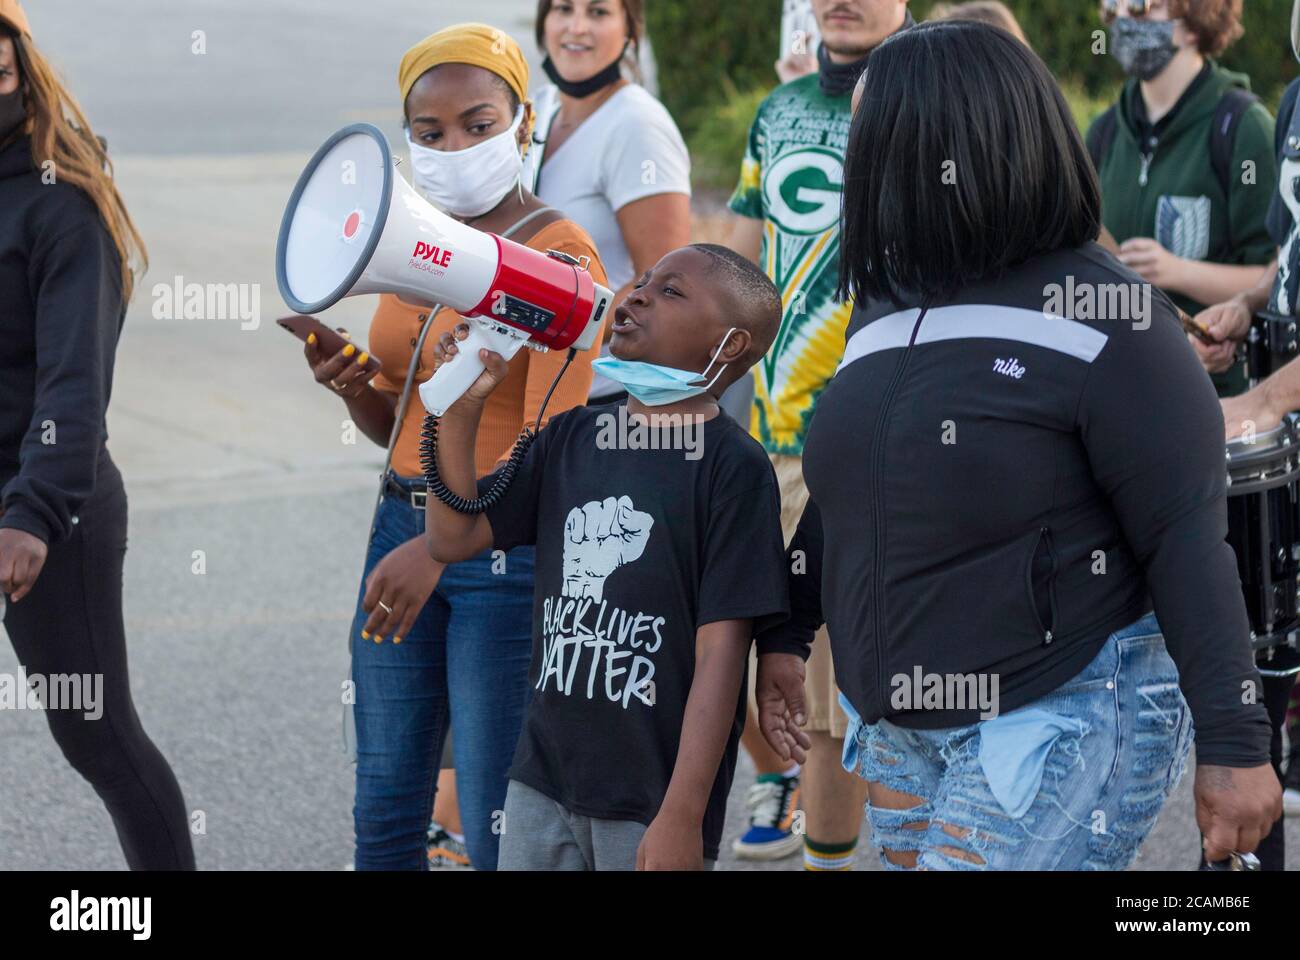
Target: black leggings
x=71 y=623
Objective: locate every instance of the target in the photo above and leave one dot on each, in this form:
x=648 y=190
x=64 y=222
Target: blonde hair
x=60 y=133
x=981 y=11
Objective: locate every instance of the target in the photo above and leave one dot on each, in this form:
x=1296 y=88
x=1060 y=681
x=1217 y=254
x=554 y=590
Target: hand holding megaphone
x=494 y=366
x=352 y=227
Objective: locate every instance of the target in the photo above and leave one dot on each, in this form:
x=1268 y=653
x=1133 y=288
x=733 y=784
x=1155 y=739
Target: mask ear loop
x=528 y=139
x=717 y=353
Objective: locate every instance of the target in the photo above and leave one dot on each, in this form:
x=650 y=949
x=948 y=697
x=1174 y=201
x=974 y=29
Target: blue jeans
x=1073 y=781
x=464 y=663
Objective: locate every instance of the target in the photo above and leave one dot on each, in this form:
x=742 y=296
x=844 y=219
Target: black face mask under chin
x=12 y=113
x=593 y=84
x=837 y=79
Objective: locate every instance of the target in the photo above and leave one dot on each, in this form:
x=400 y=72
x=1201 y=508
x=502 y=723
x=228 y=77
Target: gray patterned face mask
x=1142 y=47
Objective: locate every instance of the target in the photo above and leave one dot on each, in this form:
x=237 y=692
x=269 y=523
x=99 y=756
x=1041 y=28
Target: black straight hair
x=963 y=161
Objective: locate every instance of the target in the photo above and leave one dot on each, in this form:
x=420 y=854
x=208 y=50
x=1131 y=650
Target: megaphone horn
x=353 y=227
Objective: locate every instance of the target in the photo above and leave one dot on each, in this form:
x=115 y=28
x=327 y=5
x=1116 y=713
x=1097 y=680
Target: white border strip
x=977 y=321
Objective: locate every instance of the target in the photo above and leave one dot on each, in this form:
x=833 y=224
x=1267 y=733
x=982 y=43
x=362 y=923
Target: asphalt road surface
x=227 y=445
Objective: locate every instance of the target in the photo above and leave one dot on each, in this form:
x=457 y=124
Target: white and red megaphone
x=353 y=226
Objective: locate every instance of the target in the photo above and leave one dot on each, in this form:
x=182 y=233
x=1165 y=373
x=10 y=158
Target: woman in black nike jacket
x=65 y=279
x=1018 y=459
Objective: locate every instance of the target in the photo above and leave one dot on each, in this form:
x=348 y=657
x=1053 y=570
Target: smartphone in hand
x=329 y=339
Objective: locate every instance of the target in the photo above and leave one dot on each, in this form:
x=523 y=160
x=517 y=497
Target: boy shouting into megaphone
x=653 y=572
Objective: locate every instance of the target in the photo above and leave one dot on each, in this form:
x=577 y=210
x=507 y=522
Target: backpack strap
x=1223 y=133
x=1101 y=135
x=1231 y=108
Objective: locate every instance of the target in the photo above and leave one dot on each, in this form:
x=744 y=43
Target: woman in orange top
x=461 y=634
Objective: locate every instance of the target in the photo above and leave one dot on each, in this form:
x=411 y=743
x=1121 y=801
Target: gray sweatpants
x=540 y=834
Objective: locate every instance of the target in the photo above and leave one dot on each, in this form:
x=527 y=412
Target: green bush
x=1087 y=107
x=705 y=52
x=718 y=146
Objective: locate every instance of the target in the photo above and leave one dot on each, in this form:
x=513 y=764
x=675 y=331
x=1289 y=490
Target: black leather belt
x=413 y=492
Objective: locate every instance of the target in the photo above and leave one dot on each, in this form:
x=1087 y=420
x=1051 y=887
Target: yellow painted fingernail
x=397 y=639
x=378 y=639
x=311 y=338
x=364 y=635
x=363 y=358
x=349 y=350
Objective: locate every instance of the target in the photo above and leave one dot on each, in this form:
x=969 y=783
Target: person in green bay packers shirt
x=788 y=200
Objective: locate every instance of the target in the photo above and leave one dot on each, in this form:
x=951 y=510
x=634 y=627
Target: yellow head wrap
x=12 y=13
x=474 y=43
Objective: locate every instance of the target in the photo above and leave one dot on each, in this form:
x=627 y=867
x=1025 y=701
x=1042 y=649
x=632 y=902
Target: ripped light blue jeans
x=1072 y=781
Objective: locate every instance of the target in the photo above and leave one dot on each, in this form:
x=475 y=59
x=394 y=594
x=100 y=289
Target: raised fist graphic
x=600 y=537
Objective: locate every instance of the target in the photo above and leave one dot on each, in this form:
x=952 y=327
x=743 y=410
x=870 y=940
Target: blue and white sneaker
x=772 y=801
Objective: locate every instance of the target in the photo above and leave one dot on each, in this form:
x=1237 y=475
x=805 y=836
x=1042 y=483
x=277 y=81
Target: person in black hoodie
x=1015 y=470
x=65 y=280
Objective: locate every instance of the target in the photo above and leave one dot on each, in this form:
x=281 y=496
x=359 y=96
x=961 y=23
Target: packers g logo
x=802 y=190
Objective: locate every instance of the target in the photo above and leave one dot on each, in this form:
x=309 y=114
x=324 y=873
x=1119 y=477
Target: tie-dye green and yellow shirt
x=791 y=179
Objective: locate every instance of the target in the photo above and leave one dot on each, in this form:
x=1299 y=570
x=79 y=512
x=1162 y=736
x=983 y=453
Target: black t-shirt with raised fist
x=642 y=535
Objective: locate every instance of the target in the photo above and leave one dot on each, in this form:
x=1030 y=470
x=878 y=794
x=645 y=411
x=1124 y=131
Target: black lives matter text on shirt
x=635 y=550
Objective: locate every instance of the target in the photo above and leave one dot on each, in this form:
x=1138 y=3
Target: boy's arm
x=451 y=537
x=674 y=840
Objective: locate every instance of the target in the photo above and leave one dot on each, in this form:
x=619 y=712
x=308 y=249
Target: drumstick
x=1195 y=329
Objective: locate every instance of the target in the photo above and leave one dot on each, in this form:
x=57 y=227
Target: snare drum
x=1271 y=343
x=1264 y=532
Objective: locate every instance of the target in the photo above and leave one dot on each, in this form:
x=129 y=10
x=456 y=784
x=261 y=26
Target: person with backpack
x=1185 y=157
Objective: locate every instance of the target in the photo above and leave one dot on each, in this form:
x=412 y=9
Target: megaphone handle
x=458 y=374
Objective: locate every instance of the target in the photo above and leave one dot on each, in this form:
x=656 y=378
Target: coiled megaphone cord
x=506 y=475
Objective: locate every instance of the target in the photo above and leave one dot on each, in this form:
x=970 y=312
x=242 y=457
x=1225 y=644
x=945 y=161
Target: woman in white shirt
x=605 y=151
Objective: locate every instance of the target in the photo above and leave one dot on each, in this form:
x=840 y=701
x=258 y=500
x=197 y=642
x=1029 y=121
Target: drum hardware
x=1264 y=532
x=1272 y=341
x=1235 y=862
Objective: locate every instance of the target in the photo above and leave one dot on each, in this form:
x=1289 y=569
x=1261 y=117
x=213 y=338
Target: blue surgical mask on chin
x=655 y=385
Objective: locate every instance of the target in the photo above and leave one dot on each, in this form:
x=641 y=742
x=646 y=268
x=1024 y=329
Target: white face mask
x=470 y=182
